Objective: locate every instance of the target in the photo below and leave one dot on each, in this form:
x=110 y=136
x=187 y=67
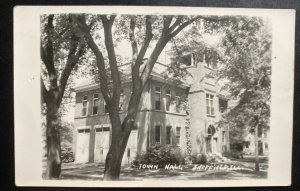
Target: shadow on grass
x=95 y=172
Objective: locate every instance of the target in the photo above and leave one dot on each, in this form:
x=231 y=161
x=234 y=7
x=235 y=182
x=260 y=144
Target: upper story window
x=157 y=134
x=168 y=100
x=177 y=135
x=210 y=61
x=187 y=60
x=84 y=105
x=223 y=104
x=210 y=104
x=105 y=107
x=157 y=98
x=169 y=135
x=95 y=104
x=121 y=103
x=210 y=65
x=177 y=104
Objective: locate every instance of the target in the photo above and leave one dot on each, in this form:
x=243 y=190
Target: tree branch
x=132 y=39
x=182 y=26
x=147 y=40
x=107 y=25
x=72 y=60
x=176 y=23
x=167 y=21
x=47 y=54
x=136 y=68
x=99 y=56
x=44 y=91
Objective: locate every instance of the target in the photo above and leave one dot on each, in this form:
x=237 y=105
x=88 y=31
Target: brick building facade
x=161 y=118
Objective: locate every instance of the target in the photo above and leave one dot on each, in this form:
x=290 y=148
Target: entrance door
x=131 y=148
x=208 y=145
x=101 y=144
x=82 y=146
x=210 y=142
x=214 y=145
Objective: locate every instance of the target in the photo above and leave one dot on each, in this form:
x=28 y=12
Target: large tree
x=142 y=32
x=61 y=50
x=242 y=64
x=246 y=66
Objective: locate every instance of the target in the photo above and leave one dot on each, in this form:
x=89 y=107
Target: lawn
x=94 y=171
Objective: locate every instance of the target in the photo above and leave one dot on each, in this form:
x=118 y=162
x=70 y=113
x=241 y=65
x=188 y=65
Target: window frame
x=155 y=131
x=94 y=99
x=171 y=134
x=86 y=107
x=223 y=102
x=104 y=107
x=178 y=135
x=192 y=60
x=223 y=137
x=168 y=95
x=157 y=93
x=84 y=130
x=177 y=104
x=210 y=109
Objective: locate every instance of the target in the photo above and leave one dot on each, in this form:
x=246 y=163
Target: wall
x=204 y=83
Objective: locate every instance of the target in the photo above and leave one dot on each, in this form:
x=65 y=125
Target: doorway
x=102 y=143
x=211 y=142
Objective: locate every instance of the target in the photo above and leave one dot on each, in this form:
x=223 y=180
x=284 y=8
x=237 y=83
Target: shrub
x=199 y=158
x=233 y=154
x=67 y=155
x=160 y=155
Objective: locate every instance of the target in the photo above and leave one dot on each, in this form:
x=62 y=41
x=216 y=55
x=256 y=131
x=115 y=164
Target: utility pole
x=256 y=144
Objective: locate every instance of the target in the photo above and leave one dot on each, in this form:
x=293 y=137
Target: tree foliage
x=61 y=51
x=241 y=59
x=246 y=67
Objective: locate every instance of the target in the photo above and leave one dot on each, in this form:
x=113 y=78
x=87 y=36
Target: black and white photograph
x=175 y=95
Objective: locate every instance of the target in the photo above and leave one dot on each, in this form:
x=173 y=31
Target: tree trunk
x=256 y=149
x=53 y=143
x=114 y=157
x=120 y=136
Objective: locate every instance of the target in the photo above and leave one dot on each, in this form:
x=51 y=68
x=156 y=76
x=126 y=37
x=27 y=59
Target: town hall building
x=165 y=109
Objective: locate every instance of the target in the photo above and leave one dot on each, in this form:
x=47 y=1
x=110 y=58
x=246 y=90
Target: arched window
x=211 y=131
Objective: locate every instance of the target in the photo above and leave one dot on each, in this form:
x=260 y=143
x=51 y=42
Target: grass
x=93 y=171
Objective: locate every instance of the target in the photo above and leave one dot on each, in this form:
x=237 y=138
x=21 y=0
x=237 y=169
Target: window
x=168 y=99
x=177 y=104
x=121 y=104
x=178 y=135
x=95 y=104
x=211 y=131
x=223 y=137
x=157 y=133
x=187 y=60
x=210 y=104
x=83 y=130
x=101 y=129
x=247 y=145
x=157 y=98
x=210 y=62
x=105 y=107
x=222 y=105
x=169 y=135
x=84 y=105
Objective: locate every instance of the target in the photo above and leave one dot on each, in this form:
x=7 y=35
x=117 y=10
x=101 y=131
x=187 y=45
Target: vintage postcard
x=153 y=96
